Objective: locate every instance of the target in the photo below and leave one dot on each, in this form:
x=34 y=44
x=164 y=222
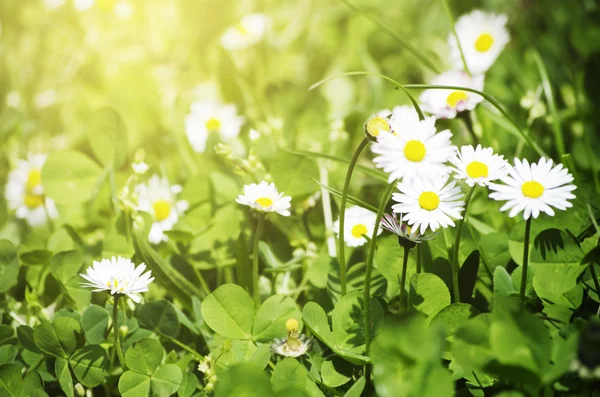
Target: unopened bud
x=376 y=125
x=123 y=331
x=79 y=390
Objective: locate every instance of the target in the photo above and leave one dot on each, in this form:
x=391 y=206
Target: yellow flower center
x=34 y=178
x=162 y=209
x=291 y=324
x=213 y=124
x=33 y=200
x=477 y=170
x=455 y=98
x=264 y=202
x=429 y=201
x=414 y=151
x=359 y=230
x=484 y=42
x=376 y=125
x=532 y=189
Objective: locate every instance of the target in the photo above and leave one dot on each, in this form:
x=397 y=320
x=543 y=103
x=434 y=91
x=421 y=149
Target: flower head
x=25 y=193
x=478 y=165
x=358 y=222
x=482 y=38
x=534 y=188
x=159 y=199
x=429 y=202
x=407 y=236
x=446 y=104
x=264 y=197
x=294 y=344
x=249 y=31
x=415 y=149
x=211 y=117
x=119 y=276
x=376 y=125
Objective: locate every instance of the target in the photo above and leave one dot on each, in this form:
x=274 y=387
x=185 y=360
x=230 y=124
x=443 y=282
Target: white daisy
x=358 y=222
x=404 y=117
x=429 y=202
x=119 y=276
x=249 y=31
x=445 y=104
x=159 y=199
x=208 y=116
x=264 y=197
x=140 y=167
x=25 y=193
x=406 y=235
x=414 y=149
x=478 y=165
x=534 y=188
x=482 y=37
x=294 y=345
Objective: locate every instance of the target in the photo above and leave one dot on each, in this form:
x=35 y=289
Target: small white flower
x=159 y=199
x=445 y=104
x=294 y=345
x=119 y=276
x=358 y=222
x=534 y=188
x=413 y=150
x=249 y=31
x=478 y=165
x=25 y=193
x=264 y=197
x=482 y=37
x=254 y=135
x=140 y=168
x=208 y=116
x=395 y=223
x=429 y=202
x=205 y=365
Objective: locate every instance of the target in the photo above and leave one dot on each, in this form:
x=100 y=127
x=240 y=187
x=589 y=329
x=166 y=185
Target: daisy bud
x=79 y=390
x=123 y=331
x=375 y=126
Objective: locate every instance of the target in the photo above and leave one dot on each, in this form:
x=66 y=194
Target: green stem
x=451 y=20
x=595 y=278
x=118 y=347
x=525 y=259
x=403 y=279
x=466 y=118
x=419 y=257
x=341 y=242
x=259 y=228
x=455 y=248
x=185 y=347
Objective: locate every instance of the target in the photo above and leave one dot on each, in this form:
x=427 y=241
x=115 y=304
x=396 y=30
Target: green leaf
x=144 y=356
x=10 y=380
x=494 y=249
x=166 y=380
x=467 y=276
x=35 y=257
x=357 y=388
x=270 y=319
x=159 y=316
x=428 y=294
x=25 y=334
x=65 y=265
x=451 y=317
x=331 y=377
x=69 y=177
x=7 y=354
x=63 y=375
x=241 y=351
x=188 y=385
x=503 y=285
x=243 y=380
x=32 y=385
x=89 y=364
x=9 y=266
x=229 y=311
x=133 y=384
x=94 y=322
x=107 y=134
x=389 y=258
x=355 y=279
x=7 y=335
x=289 y=374
x=59 y=338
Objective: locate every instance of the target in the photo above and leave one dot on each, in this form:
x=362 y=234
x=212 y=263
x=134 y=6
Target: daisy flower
x=534 y=188
x=377 y=124
x=294 y=345
x=208 y=116
x=159 y=199
x=446 y=104
x=406 y=235
x=25 y=193
x=482 y=37
x=264 y=197
x=249 y=31
x=119 y=276
x=478 y=165
x=358 y=221
x=414 y=150
x=429 y=202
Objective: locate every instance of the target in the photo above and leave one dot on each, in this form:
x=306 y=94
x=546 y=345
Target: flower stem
x=466 y=118
x=455 y=248
x=451 y=20
x=118 y=347
x=403 y=279
x=525 y=259
x=259 y=228
x=341 y=242
x=419 y=257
